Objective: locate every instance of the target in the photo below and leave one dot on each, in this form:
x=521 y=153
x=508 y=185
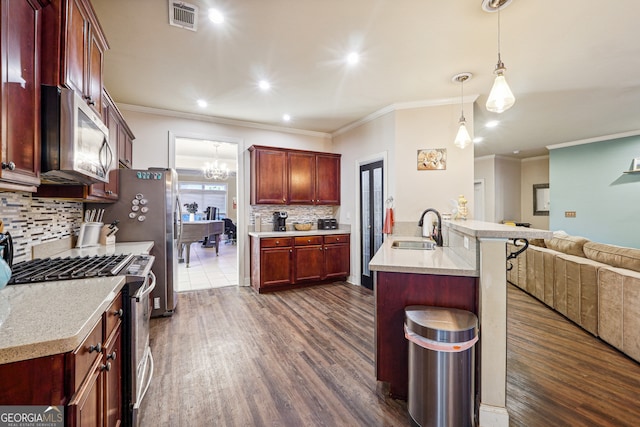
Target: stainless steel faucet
x=437 y=236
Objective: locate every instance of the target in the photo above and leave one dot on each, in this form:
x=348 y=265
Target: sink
x=414 y=244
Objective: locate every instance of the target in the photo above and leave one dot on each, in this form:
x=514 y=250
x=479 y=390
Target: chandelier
x=213 y=170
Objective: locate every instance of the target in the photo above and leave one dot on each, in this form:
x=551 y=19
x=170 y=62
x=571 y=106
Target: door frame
x=356 y=248
x=242 y=249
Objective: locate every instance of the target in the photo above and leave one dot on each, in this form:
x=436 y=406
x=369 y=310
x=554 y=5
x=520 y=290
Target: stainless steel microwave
x=75 y=141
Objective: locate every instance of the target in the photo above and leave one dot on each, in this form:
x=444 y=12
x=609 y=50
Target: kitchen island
x=469 y=273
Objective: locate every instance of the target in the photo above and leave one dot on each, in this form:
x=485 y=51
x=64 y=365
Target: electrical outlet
x=466 y=242
x=156 y=302
x=570 y=214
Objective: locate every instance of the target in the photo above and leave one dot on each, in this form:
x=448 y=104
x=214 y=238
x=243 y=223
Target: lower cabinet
x=88 y=381
x=282 y=263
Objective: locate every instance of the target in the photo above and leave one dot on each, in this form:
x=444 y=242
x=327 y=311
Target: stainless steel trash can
x=441 y=365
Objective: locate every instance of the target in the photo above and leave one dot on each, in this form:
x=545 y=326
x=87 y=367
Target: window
x=205 y=194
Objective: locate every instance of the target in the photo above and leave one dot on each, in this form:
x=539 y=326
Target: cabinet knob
x=277 y=242
x=337 y=239
x=106 y=367
x=89 y=100
x=11 y=166
x=109 y=192
x=112 y=356
x=284 y=200
x=97 y=347
x=118 y=313
x=309 y=241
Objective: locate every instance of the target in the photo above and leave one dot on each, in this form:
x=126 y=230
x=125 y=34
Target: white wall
x=535 y=170
x=484 y=169
x=507 y=189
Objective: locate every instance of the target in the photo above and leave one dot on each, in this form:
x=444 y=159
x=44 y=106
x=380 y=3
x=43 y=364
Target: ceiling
x=573 y=65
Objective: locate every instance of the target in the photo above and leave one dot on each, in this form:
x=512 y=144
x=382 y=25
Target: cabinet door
x=125 y=147
x=20 y=91
x=93 y=79
x=275 y=266
x=309 y=263
x=302 y=178
x=268 y=177
x=327 y=179
x=336 y=260
x=85 y=408
x=113 y=381
x=75 y=47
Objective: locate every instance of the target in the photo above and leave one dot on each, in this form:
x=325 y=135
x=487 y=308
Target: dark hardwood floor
x=231 y=357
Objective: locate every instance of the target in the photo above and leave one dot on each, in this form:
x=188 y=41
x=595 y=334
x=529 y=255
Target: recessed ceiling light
x=286 y=117
x=264 y=85
x=492 y=123
x=353 y=58
x=478 y=139
x=215 y=16
x=202 y=103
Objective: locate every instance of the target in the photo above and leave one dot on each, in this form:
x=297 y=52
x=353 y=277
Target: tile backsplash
x=295 y=214
x=32 y=221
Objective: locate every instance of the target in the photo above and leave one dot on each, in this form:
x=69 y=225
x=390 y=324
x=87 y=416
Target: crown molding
x=219 y=120
x=594 y=139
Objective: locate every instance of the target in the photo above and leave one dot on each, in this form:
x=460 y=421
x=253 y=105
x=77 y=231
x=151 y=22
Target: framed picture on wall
x=541 y=200
x=432 y=159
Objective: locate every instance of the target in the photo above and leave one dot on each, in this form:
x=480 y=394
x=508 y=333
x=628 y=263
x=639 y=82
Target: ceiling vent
x=183 y=15
x=494 y=5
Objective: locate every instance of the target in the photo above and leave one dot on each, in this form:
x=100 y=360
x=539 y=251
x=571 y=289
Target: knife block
x=105 y=238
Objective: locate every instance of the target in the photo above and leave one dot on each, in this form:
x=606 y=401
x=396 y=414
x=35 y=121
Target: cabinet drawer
x=113 y=316
x=276 y=242
x=86 y=354
x=308 y=240
x=336 y=238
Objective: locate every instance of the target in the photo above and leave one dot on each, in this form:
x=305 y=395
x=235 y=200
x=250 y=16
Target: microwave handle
x=106 y=154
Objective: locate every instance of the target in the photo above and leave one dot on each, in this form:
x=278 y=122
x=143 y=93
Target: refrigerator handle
x=177 y=219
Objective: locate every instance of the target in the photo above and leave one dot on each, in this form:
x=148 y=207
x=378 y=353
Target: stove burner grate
x=50 y=269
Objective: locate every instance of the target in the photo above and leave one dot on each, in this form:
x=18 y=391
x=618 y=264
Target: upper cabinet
x=294 y=177
x=20 y=28
x=75 y=49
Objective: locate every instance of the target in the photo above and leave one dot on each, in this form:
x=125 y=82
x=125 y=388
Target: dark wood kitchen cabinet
x=20 y=52
x=294 y=177
x=337 y=259
x=75 y=49
x=308 y=259
x=88 y=381
x=271 y=262
x=282 y=263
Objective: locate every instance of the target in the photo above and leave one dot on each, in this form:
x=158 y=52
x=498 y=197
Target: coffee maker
x=279 y=221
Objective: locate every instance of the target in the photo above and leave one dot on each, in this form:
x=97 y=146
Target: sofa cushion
x=572 y=245
x=616 y=256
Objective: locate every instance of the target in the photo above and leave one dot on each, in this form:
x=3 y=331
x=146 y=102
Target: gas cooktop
x=51 y=269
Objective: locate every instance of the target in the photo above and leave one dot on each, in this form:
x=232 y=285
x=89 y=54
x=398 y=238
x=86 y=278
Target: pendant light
x=500 y=98
x=462 y=137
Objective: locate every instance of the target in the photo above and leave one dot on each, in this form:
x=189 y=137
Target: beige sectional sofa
x=595 y=285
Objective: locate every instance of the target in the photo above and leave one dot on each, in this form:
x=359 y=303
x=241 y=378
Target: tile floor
x=206 y=270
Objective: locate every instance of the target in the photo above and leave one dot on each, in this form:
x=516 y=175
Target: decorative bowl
x=303 y=226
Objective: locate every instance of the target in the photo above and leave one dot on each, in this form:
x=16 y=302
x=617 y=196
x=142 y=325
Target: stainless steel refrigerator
x=149 y=208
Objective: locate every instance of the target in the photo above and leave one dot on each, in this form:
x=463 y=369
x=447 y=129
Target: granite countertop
x=495 y=230
x=43 y=319
x=296 y=233
x=440 y=261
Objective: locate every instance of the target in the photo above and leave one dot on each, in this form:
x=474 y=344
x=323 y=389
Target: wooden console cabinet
x=294 y=177
x=281 y=263
x=88 y=381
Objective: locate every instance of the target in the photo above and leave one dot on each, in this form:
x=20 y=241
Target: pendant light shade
x=463 y=139
x=500 y=98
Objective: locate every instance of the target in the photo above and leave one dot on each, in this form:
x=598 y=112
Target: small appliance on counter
x=280 y=221
x=327 y=223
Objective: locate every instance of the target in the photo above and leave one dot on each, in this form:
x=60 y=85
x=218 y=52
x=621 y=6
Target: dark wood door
x=327 y=179
x=302 y=178
x=76 y=46
x=268 y=177
x=371 y=217
x=20 y=91
x=276 y=266
x=309 y=263
x=336 y=260
x=93 y=80
x=113 y=381
x=85 y=409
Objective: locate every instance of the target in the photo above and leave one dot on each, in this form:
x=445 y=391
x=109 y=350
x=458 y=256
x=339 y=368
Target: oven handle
x=149 y=288
x=148 y=372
